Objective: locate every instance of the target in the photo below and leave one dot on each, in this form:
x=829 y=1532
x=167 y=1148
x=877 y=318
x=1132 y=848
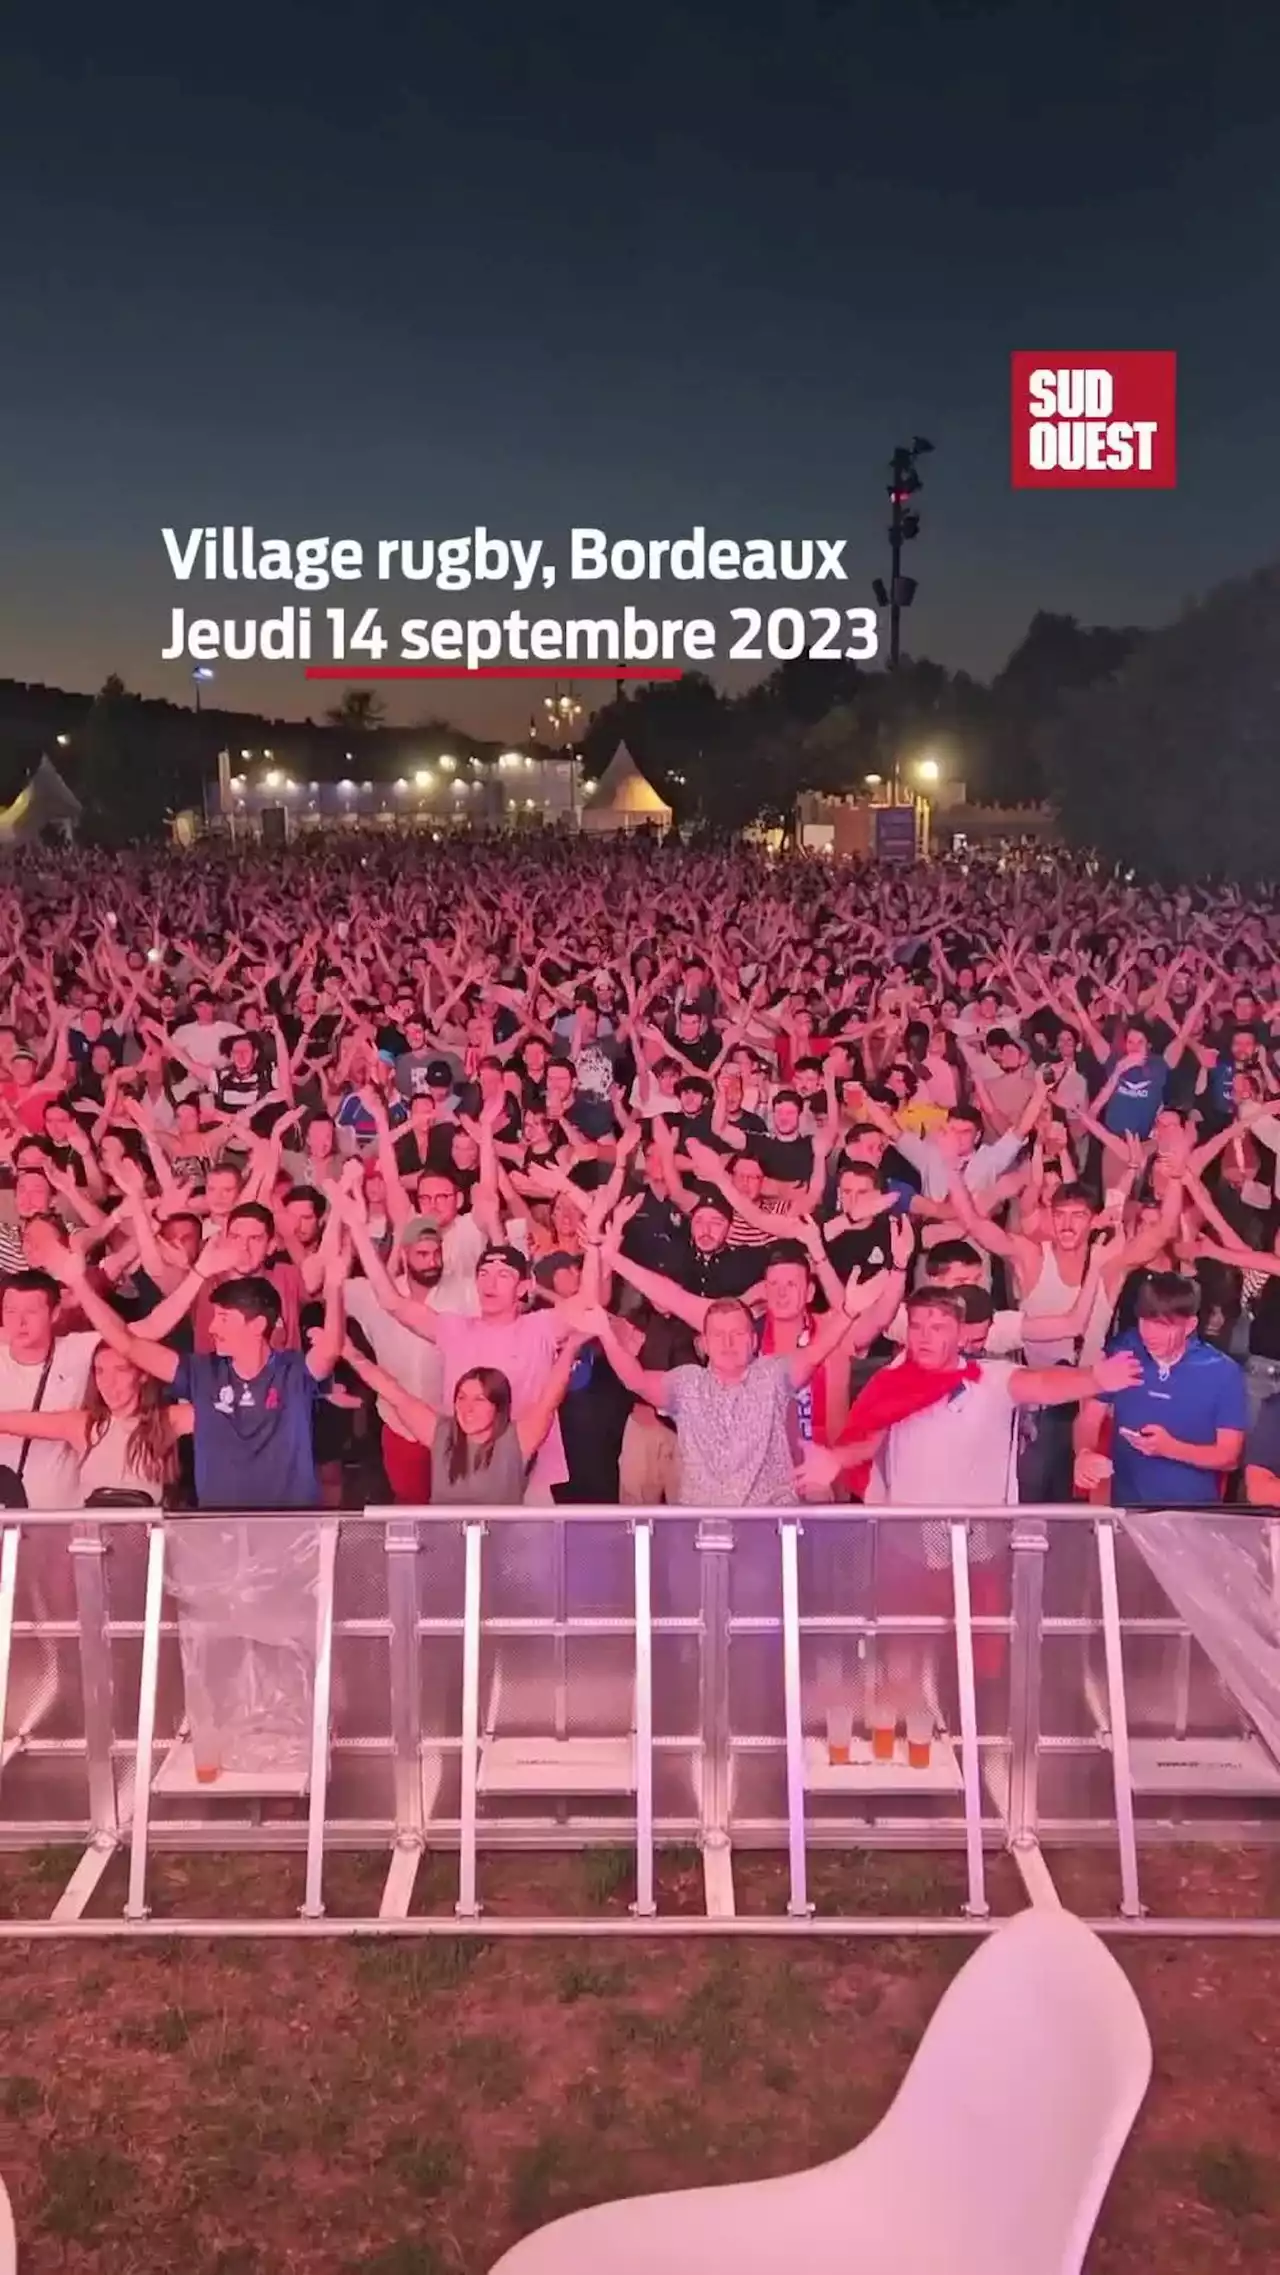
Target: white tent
x=623 y=801
x=45 y=802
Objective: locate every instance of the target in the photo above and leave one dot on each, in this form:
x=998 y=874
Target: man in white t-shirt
x=415 y=1362
x=199 y=1041
x=955 y=1450
x=45 y=1372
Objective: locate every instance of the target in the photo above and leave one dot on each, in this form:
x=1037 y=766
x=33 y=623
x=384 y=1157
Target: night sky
x=400 y=270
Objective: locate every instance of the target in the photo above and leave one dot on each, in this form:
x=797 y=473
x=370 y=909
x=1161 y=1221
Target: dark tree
x=1171 y=765
x=360 y=711
x=116 y=787
x=1055 y=659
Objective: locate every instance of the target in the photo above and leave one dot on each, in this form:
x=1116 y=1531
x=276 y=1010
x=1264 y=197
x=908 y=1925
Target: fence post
x=715 y=1547
x=798 y=1904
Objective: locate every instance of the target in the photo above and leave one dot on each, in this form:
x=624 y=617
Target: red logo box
x=1095 y=422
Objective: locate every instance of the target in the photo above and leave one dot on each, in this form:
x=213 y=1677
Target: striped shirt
x=743 y=1234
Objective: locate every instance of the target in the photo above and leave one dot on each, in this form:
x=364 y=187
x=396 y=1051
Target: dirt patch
x=410 y=2109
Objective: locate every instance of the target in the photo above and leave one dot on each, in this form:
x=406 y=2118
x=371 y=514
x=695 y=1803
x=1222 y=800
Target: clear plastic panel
x=1222 y=1574
x=246 y=1591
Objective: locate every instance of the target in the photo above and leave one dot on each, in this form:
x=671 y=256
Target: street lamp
x=563 y=713
x=928 y=770
x=873 y=781
x=201 y=673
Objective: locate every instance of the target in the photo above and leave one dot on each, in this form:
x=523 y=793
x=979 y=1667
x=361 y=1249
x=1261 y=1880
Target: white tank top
x=1049 y=1299
x=107 y=1464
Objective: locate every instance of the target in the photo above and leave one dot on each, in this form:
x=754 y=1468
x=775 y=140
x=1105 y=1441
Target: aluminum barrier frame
x=120 y=1816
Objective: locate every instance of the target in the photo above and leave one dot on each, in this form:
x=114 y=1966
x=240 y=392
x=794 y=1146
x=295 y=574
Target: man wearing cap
x=522 y=1345
x=708 y=1267
x=596 y=1407
x=439 y=1199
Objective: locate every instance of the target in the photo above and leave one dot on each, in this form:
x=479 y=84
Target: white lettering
x=1091 y=446
x=1071 y=393
x=182 y=560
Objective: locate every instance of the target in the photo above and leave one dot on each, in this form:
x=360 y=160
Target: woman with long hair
x=481 y=1453
x=126 y=1440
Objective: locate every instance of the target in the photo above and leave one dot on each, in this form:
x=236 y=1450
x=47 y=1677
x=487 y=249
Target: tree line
x=1155 y=747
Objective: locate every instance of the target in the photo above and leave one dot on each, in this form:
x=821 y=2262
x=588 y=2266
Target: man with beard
x=415 y=1363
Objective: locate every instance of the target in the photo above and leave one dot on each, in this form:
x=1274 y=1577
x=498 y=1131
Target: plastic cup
x=839 y=1735
x=919 y=1740
x=883 y=1739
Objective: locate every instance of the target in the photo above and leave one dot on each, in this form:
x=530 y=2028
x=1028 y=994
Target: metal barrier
x=533 y=1680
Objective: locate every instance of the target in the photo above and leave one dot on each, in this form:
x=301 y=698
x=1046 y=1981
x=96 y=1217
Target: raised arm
x=534 y=1421
x=644 y=1383
x=419 y=1318
x=1072 y=1386
x=664 y=1294
x=155 y=1359
x=421 y=1420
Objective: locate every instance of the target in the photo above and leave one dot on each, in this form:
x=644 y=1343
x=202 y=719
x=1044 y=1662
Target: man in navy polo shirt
x=1178 y=1433
x=251 y=1407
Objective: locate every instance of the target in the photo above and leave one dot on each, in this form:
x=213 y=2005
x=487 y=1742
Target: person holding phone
x=1178 y=1433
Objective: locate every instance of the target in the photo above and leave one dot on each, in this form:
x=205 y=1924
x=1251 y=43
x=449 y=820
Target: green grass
x=385 y=2107
x=1230 y=2178
x=607 y=1873
x=85 y=2184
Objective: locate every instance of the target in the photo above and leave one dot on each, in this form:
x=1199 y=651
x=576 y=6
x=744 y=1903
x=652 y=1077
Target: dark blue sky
x=398 y=269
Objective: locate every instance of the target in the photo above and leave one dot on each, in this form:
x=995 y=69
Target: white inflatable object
x=8 y=2240
x=993 y=2159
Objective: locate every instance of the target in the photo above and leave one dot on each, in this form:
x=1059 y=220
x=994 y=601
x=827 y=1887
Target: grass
x=386 y=2108
x=1230 y=2178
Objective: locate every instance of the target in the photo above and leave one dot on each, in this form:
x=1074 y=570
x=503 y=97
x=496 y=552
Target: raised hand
x=1122 y=1371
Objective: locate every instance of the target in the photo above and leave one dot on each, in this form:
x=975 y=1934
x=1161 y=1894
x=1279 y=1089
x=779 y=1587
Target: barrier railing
x=527 y=1679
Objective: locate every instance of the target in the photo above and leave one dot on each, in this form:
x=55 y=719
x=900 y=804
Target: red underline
x=567 y=672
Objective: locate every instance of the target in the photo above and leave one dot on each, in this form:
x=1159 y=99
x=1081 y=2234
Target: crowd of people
x=544 y=1172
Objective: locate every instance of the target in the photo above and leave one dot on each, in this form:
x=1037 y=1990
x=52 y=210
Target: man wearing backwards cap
x=522 y=1345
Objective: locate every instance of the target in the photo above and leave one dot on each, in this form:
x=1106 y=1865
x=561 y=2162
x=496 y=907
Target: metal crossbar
x=635 y=1679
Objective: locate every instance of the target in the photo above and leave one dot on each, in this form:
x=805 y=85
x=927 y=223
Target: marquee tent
x=623 y=801
x=45 y=802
